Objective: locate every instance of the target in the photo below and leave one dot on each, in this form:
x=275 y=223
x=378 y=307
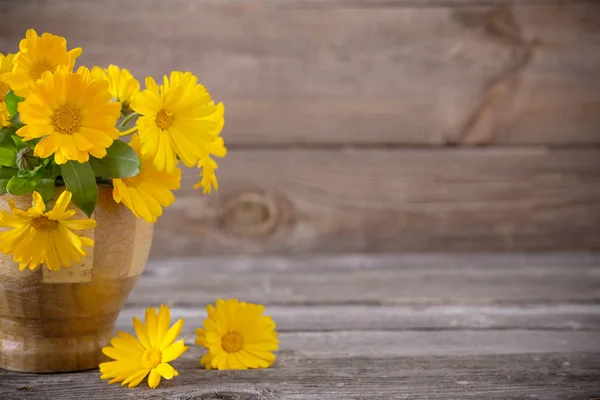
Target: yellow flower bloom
x=40 y=237
x=150 y=353
x=73 y=114
x=122 y=85
x=6 y=65
x=176 y=120
x=146 y=193
x=237 y=336
x=37 y=55
x=207 y=165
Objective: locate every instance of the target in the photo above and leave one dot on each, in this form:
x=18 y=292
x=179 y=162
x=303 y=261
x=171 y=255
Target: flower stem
x=129 y=131
x=128 y=119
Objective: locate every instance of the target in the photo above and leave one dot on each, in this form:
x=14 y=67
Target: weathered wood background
x=376 y=327
x=369 y=125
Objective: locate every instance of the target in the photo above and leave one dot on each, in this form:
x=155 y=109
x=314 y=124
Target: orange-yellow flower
x=206 y=164
x=121 y=84
x=6 y=65
x=148 y=354
x=72 y=113
x=237 y=336
x=176 y=120
x=146 y=193
x=38 y=236
x=39 y=54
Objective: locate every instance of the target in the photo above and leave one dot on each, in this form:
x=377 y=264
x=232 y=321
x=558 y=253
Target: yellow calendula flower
x=6 y=65
x=37 y=236
x=176 y=120
x=146 y=193
x=150 y=353
x=237 y=336
x=121 y=83
x=208 y=166
x=72 y=113
x=37 y=55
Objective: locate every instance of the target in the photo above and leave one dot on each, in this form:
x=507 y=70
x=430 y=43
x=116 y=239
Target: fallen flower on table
x=150 y=353
x=237 y=336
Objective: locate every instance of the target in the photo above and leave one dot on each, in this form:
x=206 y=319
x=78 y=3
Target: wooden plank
x=377 y=200
x=355 y=72
x=447 y=317
x=374 y=280
x=555 y=376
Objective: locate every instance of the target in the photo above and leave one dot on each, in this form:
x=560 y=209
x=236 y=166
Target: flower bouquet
x=88 y=160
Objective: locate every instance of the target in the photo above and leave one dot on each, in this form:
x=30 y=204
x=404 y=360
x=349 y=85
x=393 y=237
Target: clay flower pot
x=58 y=321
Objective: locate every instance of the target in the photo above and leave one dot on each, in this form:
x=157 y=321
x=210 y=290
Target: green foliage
x=81 y=182
x=121 y=161
x=21 y=186
x=46 y=187
x=12 y=103
x=5 y=175
x=21 y=172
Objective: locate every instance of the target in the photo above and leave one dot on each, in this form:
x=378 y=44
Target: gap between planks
x=406 y=318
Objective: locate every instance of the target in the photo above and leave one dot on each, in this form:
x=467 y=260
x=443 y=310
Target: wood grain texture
x=328 y=201
x=355 y=72
x=415 y=280
x=325 y=318
x=551 y=376
x=472 y=345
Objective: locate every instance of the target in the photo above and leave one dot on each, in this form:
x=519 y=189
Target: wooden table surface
x=504 y=326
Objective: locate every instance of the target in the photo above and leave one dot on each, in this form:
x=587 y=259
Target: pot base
x=53 y=354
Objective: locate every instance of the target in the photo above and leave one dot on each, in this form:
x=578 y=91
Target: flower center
x=151 y=358
x=37 y=69
x=232 y=342
x=164 y=119
x=133 y=181
x=44 y=224
x=4 y=88
x=66 y=119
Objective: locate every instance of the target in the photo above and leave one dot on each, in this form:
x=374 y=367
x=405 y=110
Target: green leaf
x=121 y=161
x=3 y=183
x=8 y=156
x=5 y=175
x=81 y=182
x=21 y=186
x=6 y=134
x=12 y=102
x=46 y=188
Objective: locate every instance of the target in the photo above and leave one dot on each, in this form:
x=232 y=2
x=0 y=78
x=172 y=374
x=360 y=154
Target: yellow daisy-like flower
x=121 y=83
x=237 y=336
x=37 y=55
x=150 y=353
x=176 y=120
x=73 y=113
x=6 y=65
x=146 y=193
x=207 y=165
x=40 y=237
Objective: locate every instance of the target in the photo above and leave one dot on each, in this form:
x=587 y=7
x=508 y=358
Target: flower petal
x=154 y=379
x=171 y=334
x=174 y=351
x=166 y=371
x=142 y=333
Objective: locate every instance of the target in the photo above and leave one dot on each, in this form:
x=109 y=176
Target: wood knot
x=260 y=395
x=253 y=214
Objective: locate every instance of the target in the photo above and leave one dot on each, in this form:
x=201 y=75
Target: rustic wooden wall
x=369 y=125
